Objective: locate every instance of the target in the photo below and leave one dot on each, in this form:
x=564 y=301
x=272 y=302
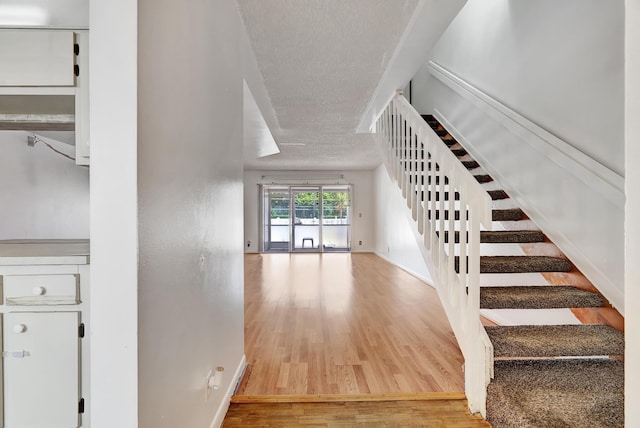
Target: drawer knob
x=19 y=328
x=38 y=291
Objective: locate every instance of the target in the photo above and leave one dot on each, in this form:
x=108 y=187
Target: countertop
x=44 y=252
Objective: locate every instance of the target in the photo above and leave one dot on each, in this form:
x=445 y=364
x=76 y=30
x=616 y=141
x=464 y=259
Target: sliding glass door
x=336 y=219
x=276 y=219
x=306 y=218
x=305 y=234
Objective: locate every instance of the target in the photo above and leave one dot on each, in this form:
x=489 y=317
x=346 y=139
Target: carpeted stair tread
x=429 y=118
x=459 y=152
x=449 y=140
x=521 y=264
x=483 y=178
x=556 y=393
x=538 y=297
x=493 y=194
x=509 y=214
x=471 y=164
x=511 y=236
x=555 y=340
x=497 y=194
x=504 y=236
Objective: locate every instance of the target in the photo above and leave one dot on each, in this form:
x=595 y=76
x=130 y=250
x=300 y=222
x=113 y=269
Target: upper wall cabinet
x=46 y=64
x=37 y=58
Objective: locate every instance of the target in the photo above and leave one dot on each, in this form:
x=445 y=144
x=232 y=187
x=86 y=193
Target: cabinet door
x=41 y=369
x=37 y=58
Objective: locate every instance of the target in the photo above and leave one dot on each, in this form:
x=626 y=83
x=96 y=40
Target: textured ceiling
x=321 y=61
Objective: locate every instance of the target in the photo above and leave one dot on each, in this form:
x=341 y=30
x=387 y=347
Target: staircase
x=565 y=368
x=540 y=375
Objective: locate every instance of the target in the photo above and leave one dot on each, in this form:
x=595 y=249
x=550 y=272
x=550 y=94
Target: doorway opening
x=306 y=218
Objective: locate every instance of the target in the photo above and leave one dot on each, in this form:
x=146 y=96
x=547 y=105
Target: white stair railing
x=431 y=179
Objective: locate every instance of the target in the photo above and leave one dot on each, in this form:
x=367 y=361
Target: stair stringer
x=405 y=138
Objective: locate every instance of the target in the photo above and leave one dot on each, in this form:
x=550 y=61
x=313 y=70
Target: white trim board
x=600 y=178
x=226 y=400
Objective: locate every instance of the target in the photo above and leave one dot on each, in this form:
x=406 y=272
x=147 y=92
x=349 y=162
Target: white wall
x=535 y=91
x=395 y=239
x=190 y=196
x=43 y=195
x=363 y=209
x=632 y=212
x=560 y=64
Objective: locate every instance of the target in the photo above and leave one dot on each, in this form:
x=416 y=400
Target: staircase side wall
x=396 y=242
x=535 y=91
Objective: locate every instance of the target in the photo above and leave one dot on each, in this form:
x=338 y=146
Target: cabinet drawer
x=41 y=289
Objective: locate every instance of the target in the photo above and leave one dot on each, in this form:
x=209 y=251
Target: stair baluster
x=431 y=178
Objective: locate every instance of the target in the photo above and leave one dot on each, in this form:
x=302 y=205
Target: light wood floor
x=432 y=414
x=344 y=324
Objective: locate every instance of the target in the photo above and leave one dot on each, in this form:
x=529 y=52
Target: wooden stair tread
x=329 y=398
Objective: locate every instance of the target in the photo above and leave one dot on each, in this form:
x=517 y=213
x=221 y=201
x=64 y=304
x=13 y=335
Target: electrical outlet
x=359 y=242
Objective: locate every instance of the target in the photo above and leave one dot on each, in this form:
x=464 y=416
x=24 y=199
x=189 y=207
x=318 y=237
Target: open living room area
x=345 y=338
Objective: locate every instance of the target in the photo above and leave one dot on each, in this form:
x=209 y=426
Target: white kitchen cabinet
x=41 y=369
x=37 y=58
x=46 y=63
x=44 y=309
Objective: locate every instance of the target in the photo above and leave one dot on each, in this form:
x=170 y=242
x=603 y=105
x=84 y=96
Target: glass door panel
x=277 y=219
x=306 y=225
x=336 y=218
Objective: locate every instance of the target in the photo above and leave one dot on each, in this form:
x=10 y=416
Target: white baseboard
x=423 y=278
x=226 y=400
